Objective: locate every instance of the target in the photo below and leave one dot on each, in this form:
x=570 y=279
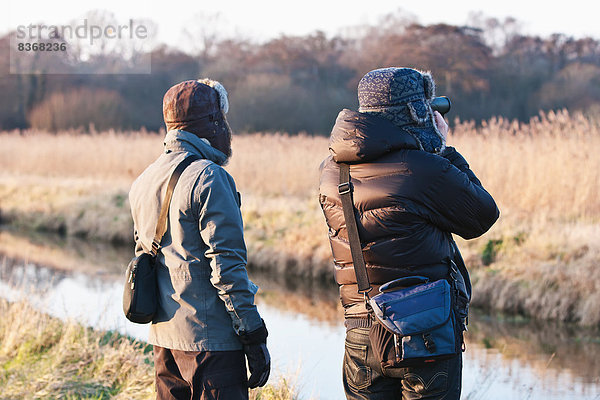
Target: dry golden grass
x=549 y=165
x=546 y=169
x=545 y=176
x=42 y=357
x=544 y=251
x=109 y=157
x=278 y=165
x=262 y=164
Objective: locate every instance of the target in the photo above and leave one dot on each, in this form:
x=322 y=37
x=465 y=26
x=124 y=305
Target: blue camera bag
x=419 y=321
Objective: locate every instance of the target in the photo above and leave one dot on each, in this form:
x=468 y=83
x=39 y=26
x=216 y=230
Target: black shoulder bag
x=415 y=321
x=140 y=294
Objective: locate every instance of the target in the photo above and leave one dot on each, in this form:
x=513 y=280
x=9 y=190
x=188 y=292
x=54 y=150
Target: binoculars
x=441 y=104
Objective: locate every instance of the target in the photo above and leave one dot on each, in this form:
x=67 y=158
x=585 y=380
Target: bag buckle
x=155 y=246
x=344 y=188
x=366 y=294
x=366 y=299
x=429 y=342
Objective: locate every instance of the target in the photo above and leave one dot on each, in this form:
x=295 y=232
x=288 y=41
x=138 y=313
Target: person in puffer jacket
x=410 y=191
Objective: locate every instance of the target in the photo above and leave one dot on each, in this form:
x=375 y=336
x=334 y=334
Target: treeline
x=299 y=83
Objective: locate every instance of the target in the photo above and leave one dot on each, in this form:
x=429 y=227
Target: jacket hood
x=359 y=137
x=180 y=140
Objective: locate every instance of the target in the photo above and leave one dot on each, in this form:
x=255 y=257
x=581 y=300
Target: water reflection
x=546 y=347
x=314 y=300
x=65 y=253
x=506 y=357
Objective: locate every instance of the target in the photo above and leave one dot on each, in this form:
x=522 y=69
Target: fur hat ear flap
x=223 y=100
x=428 y=85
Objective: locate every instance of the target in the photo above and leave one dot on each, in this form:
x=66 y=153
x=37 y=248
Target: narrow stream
x=506 y=358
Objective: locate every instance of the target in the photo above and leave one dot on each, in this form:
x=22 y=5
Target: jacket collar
x=360 y=137
x=180 y=140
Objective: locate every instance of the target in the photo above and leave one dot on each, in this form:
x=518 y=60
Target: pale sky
x=263 y=19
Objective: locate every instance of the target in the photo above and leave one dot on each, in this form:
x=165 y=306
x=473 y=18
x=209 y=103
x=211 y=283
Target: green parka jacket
x=205 y=294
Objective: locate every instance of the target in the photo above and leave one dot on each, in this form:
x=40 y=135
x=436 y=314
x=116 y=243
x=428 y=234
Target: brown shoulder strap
x=161 y=225
x=345 y=190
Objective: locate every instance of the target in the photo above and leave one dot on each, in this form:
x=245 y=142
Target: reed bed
x=539 y=259
x=548 y=164
x=546 y=169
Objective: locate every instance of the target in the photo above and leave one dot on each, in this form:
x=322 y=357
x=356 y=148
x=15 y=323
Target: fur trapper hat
x=197 y=106
x=403 y=96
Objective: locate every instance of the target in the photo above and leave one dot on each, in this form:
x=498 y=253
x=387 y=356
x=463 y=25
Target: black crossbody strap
x=161 y=225
x=462 y=268
x=345 y=190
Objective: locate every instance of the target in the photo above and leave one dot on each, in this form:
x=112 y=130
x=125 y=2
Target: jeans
x=200 y=375
x=363 y=378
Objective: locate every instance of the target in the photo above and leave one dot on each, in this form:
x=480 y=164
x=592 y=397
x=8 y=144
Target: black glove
x=459 y=162
x=259 y=360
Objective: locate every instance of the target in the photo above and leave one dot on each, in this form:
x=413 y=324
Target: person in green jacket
x=207 y=324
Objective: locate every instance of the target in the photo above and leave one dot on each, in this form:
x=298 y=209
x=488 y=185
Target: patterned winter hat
x=403 y=96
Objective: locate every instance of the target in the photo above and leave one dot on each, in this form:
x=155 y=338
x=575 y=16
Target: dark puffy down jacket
x=407 y=201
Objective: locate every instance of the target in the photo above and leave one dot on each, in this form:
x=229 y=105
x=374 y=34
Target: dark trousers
x=200 y=375
x=363 y=378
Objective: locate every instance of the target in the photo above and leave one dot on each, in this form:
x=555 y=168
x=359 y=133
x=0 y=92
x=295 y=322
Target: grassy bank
x=538 y=260
x=42 y=357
